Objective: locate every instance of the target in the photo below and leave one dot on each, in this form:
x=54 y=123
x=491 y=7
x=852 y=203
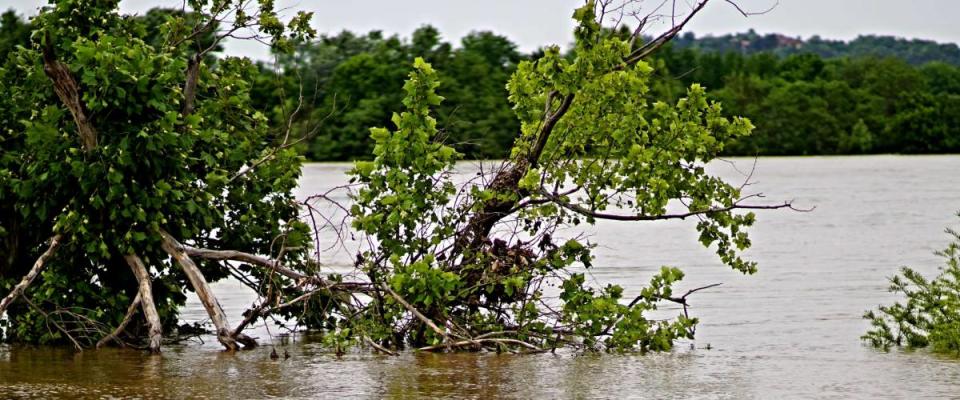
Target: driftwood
x=480 y=343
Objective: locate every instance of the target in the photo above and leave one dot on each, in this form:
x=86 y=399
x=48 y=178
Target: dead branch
x=48 y=320
x=665 y=37
x=276 y=267
x=146 y=301
x=30 y=276
x=749 y=13
x=645 y=217
x=115 y=334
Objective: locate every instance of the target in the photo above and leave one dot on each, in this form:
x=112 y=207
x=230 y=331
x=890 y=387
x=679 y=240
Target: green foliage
x=351 y=82
x=13 y=32
x=399 y=191
x=594 y=314
x=808 y=96
x=154 y=167
x=809 y=105
x=930 y=314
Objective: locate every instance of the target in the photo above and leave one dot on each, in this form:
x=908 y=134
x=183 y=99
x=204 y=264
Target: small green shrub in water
x=930 y=315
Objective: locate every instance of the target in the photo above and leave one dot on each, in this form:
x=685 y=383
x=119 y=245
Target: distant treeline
x=913 y=51
x=871 y=95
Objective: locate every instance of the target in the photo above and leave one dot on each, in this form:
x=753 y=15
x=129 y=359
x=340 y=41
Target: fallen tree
x=162 y=165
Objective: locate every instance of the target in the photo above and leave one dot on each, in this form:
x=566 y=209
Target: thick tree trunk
x=190 y=86
x=224 y=334
x=146 y=302
x=28 y=279
x=69 y=93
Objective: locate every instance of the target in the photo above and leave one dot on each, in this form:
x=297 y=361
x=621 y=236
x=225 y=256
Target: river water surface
x=790 y=331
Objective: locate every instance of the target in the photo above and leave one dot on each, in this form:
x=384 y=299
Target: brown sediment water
x=790 y=331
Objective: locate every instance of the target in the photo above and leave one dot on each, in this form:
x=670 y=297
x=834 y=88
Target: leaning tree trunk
x=225 y=335
x=146 y=301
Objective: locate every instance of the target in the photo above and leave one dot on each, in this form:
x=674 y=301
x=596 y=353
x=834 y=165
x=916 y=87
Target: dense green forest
x=816 y=96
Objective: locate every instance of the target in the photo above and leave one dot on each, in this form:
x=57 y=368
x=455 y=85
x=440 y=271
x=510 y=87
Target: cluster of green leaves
x=154 y=167
x=403 y=194
x=634 y=155
x=594 y=314
x=930 y=314
x=400 y=189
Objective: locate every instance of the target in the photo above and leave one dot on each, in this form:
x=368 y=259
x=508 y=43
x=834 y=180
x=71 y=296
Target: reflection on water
x=790 y=331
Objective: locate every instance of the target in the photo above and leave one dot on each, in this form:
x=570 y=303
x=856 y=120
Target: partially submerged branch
x=115 y=334
x=413 y=310
x=226 y=336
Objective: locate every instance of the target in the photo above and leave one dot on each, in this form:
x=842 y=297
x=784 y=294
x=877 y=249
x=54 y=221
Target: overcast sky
x=532 y=23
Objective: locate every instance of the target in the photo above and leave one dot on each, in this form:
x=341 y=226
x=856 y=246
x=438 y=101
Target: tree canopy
x=115 y=137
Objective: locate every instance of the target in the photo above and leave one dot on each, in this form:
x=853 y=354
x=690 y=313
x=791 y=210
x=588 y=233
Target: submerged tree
x=930 y=316
x=119 y=142
x=169 y=152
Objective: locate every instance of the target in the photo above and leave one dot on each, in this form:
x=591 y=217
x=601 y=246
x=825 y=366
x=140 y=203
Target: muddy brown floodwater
x=790 y=331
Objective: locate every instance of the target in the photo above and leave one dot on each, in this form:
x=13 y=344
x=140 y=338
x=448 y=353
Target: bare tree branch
x=645 y=217
x=115 y=334
x=31 y=275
